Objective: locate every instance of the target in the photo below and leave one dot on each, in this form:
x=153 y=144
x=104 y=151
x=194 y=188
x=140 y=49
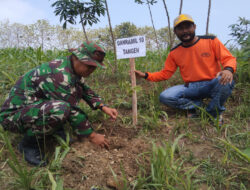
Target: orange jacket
x=201 y=61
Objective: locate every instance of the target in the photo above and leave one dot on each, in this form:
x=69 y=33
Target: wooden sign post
x=130 y=48
x=134 y=96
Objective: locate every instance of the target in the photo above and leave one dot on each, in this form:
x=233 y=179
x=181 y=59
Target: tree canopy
x=69 y=10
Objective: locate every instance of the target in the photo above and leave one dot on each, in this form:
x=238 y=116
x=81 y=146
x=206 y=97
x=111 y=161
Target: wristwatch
x=229 y=69
x=101 y=106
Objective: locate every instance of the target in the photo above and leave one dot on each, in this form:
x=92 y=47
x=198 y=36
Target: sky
x=223 y=13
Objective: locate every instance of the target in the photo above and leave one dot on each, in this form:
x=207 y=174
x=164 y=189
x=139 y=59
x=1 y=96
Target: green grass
x=24 y=177
x=169 y=164
x=167 y=169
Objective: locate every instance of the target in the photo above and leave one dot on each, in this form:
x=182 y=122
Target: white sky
x=223 y=13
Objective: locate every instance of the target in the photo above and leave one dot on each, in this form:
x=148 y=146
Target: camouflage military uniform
x=46 y=97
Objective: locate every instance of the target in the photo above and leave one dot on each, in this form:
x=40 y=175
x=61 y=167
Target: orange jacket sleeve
x=168 y=70
x=223 y=56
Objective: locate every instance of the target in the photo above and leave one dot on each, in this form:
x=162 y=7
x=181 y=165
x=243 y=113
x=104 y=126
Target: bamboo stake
x=134 y=97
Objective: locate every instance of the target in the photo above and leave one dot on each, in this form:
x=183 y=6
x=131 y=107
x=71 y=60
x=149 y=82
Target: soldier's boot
x=33 y=154
x=61 y=133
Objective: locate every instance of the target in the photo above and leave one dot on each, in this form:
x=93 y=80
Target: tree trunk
x=42 y=40
x=180 y=10
x=180 y=7
x=156 y=39
x=208 y=15
x=111 y=32
x=17 y=36
x=169 y=28
x=83 y=28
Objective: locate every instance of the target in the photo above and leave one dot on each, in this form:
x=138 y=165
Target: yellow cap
x=181 y=18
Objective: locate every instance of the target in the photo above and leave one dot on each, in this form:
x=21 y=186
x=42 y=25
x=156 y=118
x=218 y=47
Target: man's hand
x=99 y=140
x=139 y=74
x=110 y=111
x=226 y=77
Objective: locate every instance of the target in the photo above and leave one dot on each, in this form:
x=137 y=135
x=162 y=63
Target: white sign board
x=131 y=47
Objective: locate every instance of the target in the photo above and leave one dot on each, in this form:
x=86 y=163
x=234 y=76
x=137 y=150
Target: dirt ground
x=88 y=165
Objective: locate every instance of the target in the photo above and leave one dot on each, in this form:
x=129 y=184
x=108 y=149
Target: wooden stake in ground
x=134 y=97
x=132 y=47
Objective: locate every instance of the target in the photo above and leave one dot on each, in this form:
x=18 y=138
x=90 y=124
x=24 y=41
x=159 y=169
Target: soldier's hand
x=99 y=140
x=226 y=77
x=139 y=74
x=110 y=111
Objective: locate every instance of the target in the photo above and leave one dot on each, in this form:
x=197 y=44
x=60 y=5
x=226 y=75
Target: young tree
x=43 y=33
x=4 y=33
x=69 y=10
x=164 y=38
x=169 y=29
x=125 y=30
x=11 y=35
x=241 y=32
x=29 y=35
x=18 y=34
x=111 y=32
x=67 y=38
x=148 y=31
x=103 y=37
x=150 y=2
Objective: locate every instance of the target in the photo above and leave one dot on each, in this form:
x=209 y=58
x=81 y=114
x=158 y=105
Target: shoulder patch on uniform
x=207 y=37
x=176 y=46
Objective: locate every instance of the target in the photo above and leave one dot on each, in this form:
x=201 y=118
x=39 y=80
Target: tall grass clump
x=243 y=67
x=167 y=169
x=15 y=62
x=24 y=177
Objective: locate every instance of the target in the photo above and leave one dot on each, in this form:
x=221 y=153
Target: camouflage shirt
x=55 y=80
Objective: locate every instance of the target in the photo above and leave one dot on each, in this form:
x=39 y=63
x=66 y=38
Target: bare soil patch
x=88 y=165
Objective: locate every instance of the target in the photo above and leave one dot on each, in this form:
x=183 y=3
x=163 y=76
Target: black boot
x=61 y=133
x=32 y=153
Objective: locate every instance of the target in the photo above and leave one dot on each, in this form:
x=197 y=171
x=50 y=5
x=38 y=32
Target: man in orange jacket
x=206 y=67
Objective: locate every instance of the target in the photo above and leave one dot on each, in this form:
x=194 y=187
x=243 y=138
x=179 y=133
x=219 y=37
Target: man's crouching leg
x=219 y=94
x=80 y=123
x=176 y=97
x=36 y=122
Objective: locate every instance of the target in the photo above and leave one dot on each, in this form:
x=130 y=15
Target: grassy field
x=164 y=151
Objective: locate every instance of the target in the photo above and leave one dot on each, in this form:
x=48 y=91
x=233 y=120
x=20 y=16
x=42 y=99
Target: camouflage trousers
x=46 y=118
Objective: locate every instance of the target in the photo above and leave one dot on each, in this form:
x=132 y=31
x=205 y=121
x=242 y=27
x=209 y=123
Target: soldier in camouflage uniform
x=46 y=97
